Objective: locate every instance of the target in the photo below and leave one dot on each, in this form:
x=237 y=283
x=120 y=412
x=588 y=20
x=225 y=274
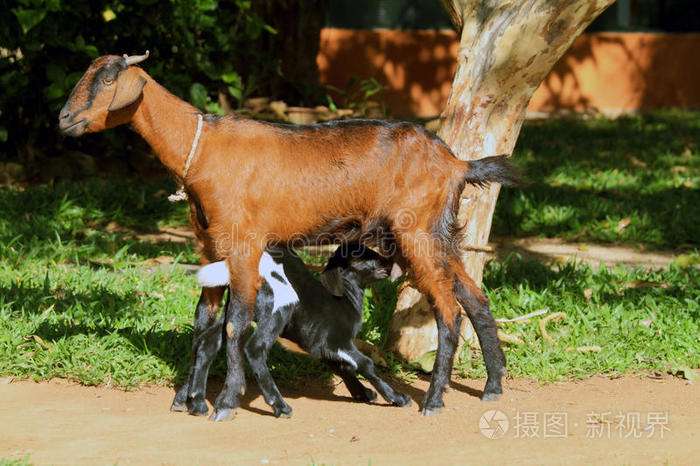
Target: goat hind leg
x=358 y=391
x=435 y=281
x=448 y=339
x=476 y=306
x=365 y=366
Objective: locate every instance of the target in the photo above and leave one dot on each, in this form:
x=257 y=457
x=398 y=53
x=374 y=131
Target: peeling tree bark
x=507 y=48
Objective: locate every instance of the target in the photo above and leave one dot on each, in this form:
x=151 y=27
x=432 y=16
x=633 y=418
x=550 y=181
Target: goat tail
x=213 y=275
x=496 y=169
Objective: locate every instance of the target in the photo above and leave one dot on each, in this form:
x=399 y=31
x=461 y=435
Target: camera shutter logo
x=494 y=424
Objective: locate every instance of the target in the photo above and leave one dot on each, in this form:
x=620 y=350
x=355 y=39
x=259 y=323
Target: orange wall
x=607 y=72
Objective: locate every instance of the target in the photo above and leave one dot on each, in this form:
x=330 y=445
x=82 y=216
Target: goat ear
x=333 y=281
x=129 y=88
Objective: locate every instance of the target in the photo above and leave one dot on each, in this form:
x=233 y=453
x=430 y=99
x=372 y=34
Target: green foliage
x=361 y=95
x=199 y=48
x=379 y=304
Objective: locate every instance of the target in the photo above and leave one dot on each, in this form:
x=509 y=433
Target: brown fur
x=254 y=184
x=260 y=183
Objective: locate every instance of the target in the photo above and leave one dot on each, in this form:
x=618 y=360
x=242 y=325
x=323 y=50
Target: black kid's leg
x=365 y=367
x=257 y=349
x=358 y=391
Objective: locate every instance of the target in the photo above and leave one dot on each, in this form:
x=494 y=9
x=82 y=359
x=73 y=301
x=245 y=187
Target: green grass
x=641 y=320
x=80 y=296
x=588 y=175
x=128 y=326
x=91 y=220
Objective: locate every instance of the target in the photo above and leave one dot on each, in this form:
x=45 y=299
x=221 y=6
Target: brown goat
x=253 y=184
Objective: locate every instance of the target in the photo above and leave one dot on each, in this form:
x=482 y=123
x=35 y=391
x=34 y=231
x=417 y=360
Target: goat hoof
x=197 y=407
x=402 y=400
x=220 y=415
x=178 y=407
x=432 y=408
x=284 y=411
x=366 y=396
x=490 y=396
x=370 y=395
x=431 y=411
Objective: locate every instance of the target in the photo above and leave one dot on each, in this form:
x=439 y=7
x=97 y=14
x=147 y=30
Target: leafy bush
x=200 y=50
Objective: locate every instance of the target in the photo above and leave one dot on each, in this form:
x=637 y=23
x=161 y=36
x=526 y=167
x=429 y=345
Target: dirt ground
x=631 y=420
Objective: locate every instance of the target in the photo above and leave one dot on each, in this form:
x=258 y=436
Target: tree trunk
x=507 y=48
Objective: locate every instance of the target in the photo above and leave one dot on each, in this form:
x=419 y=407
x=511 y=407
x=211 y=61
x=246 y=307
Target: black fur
x=351 y=123
x=322 y=324
x=496 y=169
x=442 y=369
x=486 y=330
x=237 y=321
x=481 y=172
x=206 y=342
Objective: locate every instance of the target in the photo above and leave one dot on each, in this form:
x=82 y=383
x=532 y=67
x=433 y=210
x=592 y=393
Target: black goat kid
x=322 y=317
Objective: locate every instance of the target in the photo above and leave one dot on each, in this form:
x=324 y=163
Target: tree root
x=557 y=316
x=525 y=317
x=510 y=339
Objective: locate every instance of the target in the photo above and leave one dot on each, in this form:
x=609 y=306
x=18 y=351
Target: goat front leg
x=245 y=282
x=206 y=342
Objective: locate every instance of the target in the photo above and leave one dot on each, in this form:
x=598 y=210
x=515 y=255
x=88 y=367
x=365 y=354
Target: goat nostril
x=64 y=115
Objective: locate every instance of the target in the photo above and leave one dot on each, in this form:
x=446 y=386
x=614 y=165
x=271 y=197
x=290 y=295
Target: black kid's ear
x=332 y=279
x=129 y=88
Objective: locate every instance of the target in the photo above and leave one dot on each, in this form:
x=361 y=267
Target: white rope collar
x=181 y=195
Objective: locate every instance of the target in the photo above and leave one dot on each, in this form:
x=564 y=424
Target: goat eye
x=107 y=81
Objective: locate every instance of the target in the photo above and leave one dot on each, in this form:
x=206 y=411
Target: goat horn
x=134 y=59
